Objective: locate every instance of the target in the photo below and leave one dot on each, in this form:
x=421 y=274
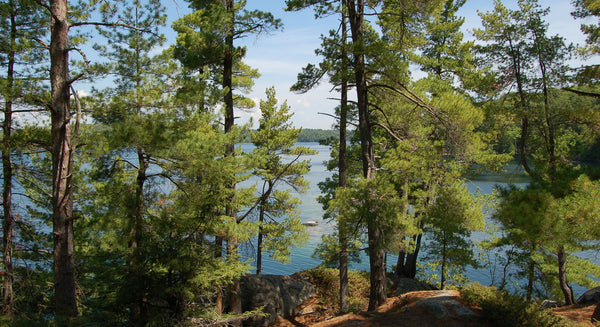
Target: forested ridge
x=130 y=204
x=307 y=135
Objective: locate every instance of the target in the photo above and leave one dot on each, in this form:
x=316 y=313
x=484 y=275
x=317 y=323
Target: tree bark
x=406 y=266
x=259 y=245
x=342 y=167
x=530 y=276
x=235 y=300
x=62 y=190
x=378 y=291
x=562 y=276
x=138 y=310
x=444 y=263
x=516 y=63
x=8 y=219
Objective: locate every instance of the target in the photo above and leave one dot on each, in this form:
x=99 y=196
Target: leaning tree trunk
x=62 y=189
x=406 y=266
x=342 y=167
x=259 y=244
x=378 y=291
x=562 y=276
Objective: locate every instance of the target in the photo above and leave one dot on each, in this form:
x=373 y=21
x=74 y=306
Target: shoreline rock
x=278 y=296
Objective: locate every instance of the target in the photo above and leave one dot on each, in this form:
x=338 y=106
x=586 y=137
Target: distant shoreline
x=314 y=135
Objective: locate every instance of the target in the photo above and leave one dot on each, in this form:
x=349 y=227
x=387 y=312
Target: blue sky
x=281 y=55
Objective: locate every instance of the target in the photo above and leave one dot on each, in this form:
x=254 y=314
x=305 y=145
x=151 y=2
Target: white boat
x=310 y=223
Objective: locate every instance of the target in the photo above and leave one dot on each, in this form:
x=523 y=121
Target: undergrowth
x=508 y=310
x=328 y=287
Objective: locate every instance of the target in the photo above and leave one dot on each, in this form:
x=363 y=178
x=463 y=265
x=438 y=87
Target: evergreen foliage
x=278 y=164
x=129 y=206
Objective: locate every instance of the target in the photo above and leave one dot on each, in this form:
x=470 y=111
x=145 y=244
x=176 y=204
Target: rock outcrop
x=406 y=285
x=445 y=304
x=590 y=297
x=277 y=295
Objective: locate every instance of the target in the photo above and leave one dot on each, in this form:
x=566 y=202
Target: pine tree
x=62 y=169
x=206 y=38
x=336 y=64
x=589 y=75
x=133 y=111
x=22 y=22
x=535 y=62
x=195 y=276
x=278 y=166
x=450 y=220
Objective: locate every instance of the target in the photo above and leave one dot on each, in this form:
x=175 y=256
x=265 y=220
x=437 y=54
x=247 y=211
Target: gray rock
x=444 y=305
x=277 y=295
x=547 y=304
x=405 y=285
x=590 y=297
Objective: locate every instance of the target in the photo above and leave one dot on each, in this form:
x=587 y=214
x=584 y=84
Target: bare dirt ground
x=578 y=313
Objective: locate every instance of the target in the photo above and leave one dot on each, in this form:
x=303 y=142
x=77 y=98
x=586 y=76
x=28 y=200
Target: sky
x=280 y=56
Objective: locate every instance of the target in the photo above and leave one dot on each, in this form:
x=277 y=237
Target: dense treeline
x=316 y=135
x=308 y=135
x=129 y=206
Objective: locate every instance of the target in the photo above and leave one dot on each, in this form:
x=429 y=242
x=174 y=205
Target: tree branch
x=584 y=93
x=85 y=59
x=336 y=118
x=77 y=24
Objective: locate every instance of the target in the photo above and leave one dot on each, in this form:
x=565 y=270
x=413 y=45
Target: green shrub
x=508 y=310
x=327 y=281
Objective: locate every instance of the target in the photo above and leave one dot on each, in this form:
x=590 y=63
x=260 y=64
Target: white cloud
x=82 y=93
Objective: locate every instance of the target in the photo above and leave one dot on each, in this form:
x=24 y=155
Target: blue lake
x=301 y=258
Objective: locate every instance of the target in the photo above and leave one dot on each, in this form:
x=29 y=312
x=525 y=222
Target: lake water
x=301 y=258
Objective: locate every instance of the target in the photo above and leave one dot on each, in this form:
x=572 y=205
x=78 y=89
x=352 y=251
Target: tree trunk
x=232 y=246
x=522 y=145
x=562 y=276
x=62 y=191
x=259 y=245
x=8 y=222
x=342 y=166
x=406 y=266
x=219 y=292
x=444 y=263
x=530 y=277
x=235 y=292
x=138 y=311
x=516 y=63
x=378 y=291
x=549 y=135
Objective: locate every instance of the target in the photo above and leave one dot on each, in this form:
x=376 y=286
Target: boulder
x=405 y=285
x=444 y=304
x=277 y=295
x=548 y=304
x=590 y=297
